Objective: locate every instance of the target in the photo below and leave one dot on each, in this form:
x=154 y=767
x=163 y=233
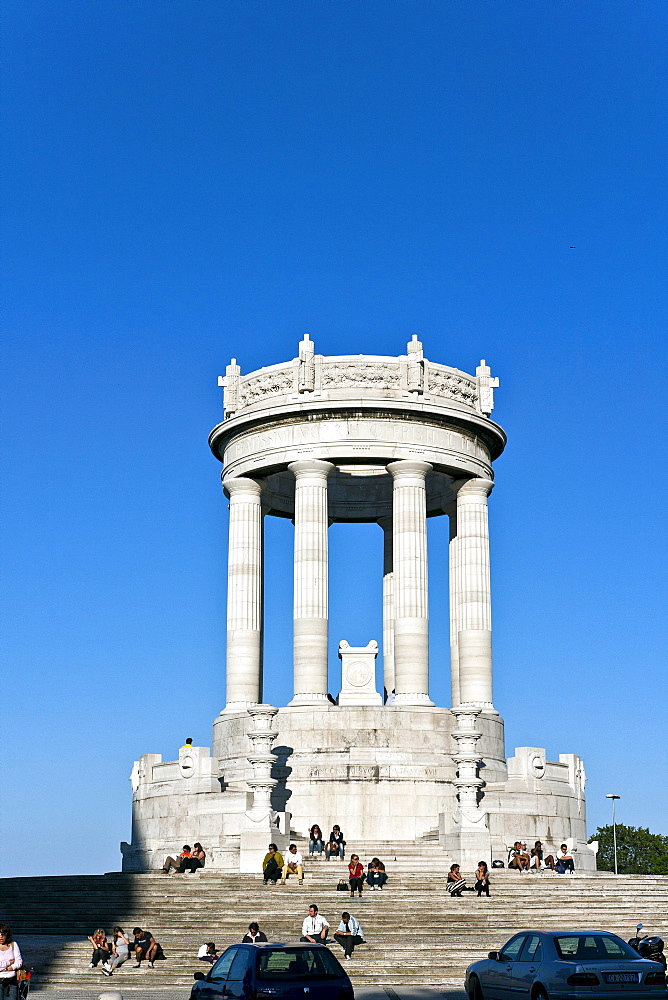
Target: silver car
x=565 y=965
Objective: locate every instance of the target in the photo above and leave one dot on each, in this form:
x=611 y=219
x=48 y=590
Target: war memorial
x=389 y=441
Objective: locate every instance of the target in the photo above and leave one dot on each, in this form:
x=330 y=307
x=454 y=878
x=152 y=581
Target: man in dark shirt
x=146 y=947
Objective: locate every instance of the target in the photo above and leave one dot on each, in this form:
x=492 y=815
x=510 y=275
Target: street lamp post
x=614 y=828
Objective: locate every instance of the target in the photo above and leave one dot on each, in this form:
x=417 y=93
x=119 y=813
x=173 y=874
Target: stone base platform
x=381 y=772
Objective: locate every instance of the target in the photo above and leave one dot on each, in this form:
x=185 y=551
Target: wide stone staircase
x=416 y=934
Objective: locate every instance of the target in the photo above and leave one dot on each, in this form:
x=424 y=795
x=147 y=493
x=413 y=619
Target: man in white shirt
x=565 y=859
x=293 y=865
x=348 y=934
x=315 y=926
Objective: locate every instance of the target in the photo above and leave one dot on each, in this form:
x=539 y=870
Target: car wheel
x=475 y=989
x=540 y=993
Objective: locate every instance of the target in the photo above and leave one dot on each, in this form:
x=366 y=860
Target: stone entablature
x=314 y=376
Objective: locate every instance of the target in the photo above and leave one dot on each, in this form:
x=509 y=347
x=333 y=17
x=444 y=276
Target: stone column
x=454 y=612
x=388 y=606
x=474 y=637
x=262 y=735
x=311 y=611
x=411 y=617
x=244 y=595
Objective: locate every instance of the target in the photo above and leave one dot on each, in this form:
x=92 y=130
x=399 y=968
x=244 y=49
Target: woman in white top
x=120 y=951
x=10 y=961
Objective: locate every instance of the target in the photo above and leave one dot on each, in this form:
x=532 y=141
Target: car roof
x=280 y=944
x=535 y=930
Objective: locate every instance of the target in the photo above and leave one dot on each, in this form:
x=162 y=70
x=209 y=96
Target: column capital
x=241 y=486
x=310 y=468
x=475 y=488
x=409 y=472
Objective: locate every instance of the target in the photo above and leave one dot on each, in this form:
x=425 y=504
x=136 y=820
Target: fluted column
x=311 y=610
x=474 y=637
x=411 y=616
x=388 y=606
x=244 y=595
x=454 y=611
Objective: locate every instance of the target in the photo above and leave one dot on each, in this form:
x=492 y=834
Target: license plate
x=621 y=977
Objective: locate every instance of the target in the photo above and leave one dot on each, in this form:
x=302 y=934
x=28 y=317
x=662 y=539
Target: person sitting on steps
x=336 y=845
x=376 y=876
x=208 y=953
x=315 y=843
x=348 y=934
x=356 y=876
x=272 y=865
x=293 y=865
x=482 y=879
x=315 y=926
x=146 y=947
x=516 y=859
x=254 y=935
x=196 y=859
x=177 y=863
x=565 y=859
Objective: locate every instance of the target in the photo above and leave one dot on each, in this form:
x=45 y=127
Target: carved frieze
x=452 y=386
x=278 y=383
x=364 y=374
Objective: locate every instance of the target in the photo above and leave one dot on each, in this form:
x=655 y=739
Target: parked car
x=274 y=972
x=565 y=965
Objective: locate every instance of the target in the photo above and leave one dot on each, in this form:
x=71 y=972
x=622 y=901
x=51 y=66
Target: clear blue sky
x=188 y=181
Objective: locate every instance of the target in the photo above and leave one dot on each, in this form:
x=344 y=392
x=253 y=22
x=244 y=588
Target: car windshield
x=593 y=947
x=298 y=963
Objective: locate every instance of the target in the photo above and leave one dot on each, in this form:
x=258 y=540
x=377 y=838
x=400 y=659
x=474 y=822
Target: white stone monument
x=389 y=441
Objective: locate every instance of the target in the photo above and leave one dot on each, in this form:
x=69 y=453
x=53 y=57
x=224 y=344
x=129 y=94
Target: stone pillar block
x=358 y=674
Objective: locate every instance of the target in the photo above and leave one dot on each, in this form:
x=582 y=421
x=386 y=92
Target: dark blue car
x=274 y=972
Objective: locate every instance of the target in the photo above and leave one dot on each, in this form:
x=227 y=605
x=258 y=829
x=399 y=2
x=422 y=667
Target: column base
x=486 y=707
x=413 y=699
x=308 y=699
x=238 y=707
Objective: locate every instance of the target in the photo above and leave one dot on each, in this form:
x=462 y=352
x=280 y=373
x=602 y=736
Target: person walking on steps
x=356 y=876
x=348 y=934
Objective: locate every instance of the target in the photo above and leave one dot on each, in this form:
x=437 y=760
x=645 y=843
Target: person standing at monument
x=10 y=961
x=272 y=865
x=356 y=876
x=315 y=927
x=348 y=934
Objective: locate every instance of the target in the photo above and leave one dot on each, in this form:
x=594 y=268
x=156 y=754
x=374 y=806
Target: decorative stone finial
x=486 y=387
x=306 y=365
x=230 y=383
x=414 y=348
x=415 y=371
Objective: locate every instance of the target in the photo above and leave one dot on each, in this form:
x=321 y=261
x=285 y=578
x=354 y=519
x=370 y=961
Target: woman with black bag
x=356 y=876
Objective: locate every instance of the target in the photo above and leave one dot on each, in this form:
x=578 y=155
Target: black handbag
x=342 y=886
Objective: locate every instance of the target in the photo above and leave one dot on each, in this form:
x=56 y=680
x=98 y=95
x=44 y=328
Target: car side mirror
x=494 y=955
x=199 y=975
